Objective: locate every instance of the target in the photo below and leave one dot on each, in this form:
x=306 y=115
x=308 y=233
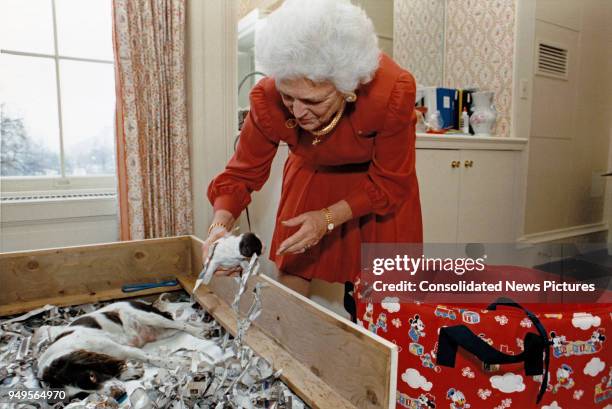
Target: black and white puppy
x=96 y=346
x=228 y=252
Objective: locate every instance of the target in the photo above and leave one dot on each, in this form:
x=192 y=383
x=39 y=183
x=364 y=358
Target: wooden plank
x=355 y=363
x=77 y=299
x=299 y=378
x=328 y=361
x=87 y=273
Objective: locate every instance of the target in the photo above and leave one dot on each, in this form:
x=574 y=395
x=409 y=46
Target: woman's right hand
x=215 y=234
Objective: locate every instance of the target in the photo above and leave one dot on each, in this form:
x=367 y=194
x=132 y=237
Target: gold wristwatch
x=328 y=219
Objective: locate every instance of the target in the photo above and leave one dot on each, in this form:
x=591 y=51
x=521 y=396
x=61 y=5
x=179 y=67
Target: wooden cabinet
x=439 y=191
x=467 y=195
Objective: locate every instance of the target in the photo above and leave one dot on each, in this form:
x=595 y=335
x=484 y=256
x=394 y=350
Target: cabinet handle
x=469 y=163
x=455 y=164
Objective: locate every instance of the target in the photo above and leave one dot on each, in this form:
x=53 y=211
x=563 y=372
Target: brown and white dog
x=96 y=347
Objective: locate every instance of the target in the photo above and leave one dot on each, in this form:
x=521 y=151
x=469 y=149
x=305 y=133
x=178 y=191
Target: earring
x=291 y=123
x=351 y=97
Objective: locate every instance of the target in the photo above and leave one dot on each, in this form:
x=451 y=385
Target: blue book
x=446 y=102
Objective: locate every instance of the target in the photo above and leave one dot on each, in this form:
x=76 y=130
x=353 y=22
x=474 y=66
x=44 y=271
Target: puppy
x=96 y=346
x=228 y=252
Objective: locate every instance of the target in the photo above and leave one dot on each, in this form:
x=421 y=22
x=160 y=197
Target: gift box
x=496 y=355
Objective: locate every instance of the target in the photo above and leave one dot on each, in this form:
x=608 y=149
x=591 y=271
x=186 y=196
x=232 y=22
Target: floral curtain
x=152 y=140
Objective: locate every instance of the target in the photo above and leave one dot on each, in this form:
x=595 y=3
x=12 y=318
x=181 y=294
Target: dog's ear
x=89 y=370
x=249 y=245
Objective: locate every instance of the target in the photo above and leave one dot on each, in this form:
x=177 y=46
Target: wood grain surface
x=355 y=363
x=327 y=360
x=74 y=275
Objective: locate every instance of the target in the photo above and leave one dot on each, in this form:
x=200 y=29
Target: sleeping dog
x=96 y=346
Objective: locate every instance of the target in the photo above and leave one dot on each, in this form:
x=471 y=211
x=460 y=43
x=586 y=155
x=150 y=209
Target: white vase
x=483 y=113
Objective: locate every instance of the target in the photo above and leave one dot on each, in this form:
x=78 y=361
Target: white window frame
x=15 y=184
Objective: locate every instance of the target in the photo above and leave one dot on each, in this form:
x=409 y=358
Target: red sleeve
x=390 y=177
x=249 y=167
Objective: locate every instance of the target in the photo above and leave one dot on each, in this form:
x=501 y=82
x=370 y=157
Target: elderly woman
x=346 y=111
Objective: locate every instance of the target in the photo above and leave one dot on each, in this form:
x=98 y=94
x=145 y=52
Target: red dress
x=368 y=160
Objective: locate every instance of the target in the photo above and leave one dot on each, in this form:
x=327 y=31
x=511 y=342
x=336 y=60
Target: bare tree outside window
x=19 y=154
x=57 y=91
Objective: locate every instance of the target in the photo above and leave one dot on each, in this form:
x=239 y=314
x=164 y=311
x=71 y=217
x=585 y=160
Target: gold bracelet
x=329 y=221
x=212 y=226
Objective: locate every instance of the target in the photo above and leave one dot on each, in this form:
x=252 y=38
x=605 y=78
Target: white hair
x=321 y=40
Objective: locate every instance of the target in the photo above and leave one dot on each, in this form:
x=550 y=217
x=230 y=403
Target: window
x=57 y=91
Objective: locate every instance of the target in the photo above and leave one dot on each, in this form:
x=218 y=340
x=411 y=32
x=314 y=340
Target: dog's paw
x=134 y=370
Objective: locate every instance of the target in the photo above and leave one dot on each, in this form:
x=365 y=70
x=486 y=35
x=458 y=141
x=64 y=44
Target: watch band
x=329 y=221
x=212 y=226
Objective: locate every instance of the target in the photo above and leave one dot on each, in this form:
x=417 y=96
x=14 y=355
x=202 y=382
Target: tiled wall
x=479 y=40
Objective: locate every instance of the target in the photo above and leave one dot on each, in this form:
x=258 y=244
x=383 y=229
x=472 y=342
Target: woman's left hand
x=313 y=228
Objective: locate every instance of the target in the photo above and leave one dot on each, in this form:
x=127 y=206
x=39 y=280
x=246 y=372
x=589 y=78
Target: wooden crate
x=326 y=360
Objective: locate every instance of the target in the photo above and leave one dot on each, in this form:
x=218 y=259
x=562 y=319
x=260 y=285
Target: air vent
x=55 y=196
x=552 y=61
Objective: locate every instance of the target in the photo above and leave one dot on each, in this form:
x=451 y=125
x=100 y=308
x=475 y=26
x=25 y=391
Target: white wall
x=381 y=13
x=56 y=212
x=211 y=55
x=37 y=224
x=571 y=121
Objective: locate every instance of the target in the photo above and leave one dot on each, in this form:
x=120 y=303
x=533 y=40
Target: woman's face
x=311 y=103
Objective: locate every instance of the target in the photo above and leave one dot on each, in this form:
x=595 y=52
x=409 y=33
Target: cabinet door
x=486 y=197
x=439 y=190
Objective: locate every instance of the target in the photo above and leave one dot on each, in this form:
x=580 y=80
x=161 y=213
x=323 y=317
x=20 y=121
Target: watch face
x=330 y=226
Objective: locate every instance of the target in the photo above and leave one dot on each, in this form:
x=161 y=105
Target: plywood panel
x=328 y=361
x=77 y=299
x=357 y=364
x=298 y=377
x=34 y=277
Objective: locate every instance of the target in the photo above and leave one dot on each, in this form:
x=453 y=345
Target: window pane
x=84 y=28
x=88 y=112
x=30 y=131
x=26 y=25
